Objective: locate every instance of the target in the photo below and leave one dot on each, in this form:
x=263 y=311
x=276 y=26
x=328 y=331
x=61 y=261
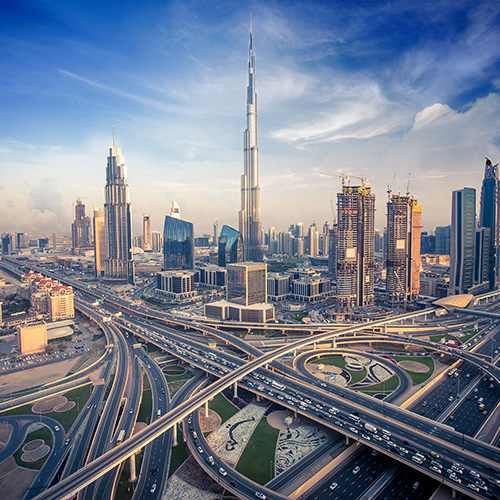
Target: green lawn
x=79 y=395
x=179 y=454
x=173 y=378
x=382 y=387
x=417 y=377
x=146 y=407
x=339 y=361
x=257 y=460
x=223 y=407
x=110 y=385
x=43 y=433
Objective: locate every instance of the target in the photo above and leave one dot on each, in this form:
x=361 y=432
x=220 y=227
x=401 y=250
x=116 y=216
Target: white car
x=356 y=469
x=260 y=495
x=222 y=472
x=333 y=486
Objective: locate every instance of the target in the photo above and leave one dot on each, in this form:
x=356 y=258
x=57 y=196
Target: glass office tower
x=178 y=244
x=230 y=246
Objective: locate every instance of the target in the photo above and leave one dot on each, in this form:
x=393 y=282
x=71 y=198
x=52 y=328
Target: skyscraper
x=313 y=240
x=178 y=244
x=250 y=223
x=355 y=246
x=80 y=229
x=146 y=234
x=99 y=241
x=462 y=241
x=489 y=216
x=403 y=249
x=230 y=246
x=247 y=283
x=118 y=263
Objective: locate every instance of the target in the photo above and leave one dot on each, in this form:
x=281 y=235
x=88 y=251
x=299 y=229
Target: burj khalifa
x=250 y=223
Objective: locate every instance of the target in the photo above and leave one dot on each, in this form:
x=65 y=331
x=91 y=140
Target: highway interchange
x=404 y=425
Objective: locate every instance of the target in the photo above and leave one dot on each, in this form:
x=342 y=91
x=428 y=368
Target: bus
x=280 y=387
x=452 y=372
x=121 y=436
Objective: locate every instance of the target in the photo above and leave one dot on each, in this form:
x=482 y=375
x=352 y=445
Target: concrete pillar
x=294 y=353
x=385 y=328
x=133 y=476
x=175 y=443
x=453 y=493
x=206 y=409
x=347 y=440
x=235 y=390
x=334 y=343
x=258 y=398
x=314 y=346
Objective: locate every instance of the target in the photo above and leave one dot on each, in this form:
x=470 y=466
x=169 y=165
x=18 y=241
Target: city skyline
x=369 y=90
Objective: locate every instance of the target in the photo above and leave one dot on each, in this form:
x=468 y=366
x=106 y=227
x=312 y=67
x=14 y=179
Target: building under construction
x=403 y=249
x=355 y=246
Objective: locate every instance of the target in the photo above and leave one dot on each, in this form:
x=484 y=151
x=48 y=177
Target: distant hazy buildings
x=99 y=242
x=178 y=242
x=156 y=241
x=443 y=235
x=81 y=229
x=118 y=262
x=230 y=248
x=403 y=249
x=355 y=246
x=250 y=223
x=489 y=217
x=146 y=234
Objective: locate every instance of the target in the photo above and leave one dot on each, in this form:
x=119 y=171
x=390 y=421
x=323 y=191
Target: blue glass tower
x=178 y=244
x=489 y=217
x=230 y=246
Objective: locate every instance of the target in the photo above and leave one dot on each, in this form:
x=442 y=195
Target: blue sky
x=365 y=88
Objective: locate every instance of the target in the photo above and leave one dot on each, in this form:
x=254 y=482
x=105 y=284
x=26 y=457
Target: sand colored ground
x=14 y=480
x=276 y=419
x=413 y=366
x=5 y=431
x=210 y=423
x=26 y=379
x=314 y=370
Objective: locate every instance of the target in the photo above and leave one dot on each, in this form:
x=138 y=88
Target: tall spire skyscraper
x=118 y=263
x=250 y=223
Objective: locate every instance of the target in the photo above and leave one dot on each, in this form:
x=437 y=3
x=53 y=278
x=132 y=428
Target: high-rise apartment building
x=463 y=240
x=118 y=262
x=325 y=246
x=355 y=246
x=332 y=251
x=489 y=216
x=22 y=240
x=156 y=241
x=99 y=242
x=81 y=229
x=146 y=234
x=403 y=249
x=250 y=223
x=313 y=240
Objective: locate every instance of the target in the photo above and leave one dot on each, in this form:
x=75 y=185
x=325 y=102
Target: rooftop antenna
x=250 y=22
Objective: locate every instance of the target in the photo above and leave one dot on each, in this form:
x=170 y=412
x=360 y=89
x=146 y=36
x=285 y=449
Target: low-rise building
x=31 y=338
x=176 y=284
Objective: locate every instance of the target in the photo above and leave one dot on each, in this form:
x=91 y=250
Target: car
x=416 y=485
x=356 y=469
x=437 y=470
x=200 y=449
x=56 y=428
x=353 y=430
x=222 y=472
x=403 y=450
x=233 y=484
x=424 y=403
x=456 y=479
x=154 y=470
x=474 y=474
x=450 y=398
x=260 y=495
x=153 y=488
x=374 y=452
x=333 y=486
x=473 y=487
x=66 y=442
x=131 y=411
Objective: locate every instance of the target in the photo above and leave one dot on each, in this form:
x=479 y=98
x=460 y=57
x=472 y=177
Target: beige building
x=62 y=304
x=99 y=244
x=31 y=339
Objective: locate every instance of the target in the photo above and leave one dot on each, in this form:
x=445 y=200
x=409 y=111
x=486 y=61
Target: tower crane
x=408 y=184
x=389 y=186
x=345 y=177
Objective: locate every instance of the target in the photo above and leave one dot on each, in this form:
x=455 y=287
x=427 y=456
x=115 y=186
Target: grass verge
x=380 y=388
x=417 y=377
x=179 y=454
x=257 y=460
x=43 y=433
x=223 y=407
x=146 y=407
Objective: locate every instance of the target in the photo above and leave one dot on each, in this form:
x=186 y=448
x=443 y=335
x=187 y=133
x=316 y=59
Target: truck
x=118 y=314
x=371 y=428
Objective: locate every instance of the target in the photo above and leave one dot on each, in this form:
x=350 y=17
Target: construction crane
x=345 y=177
x=389 y=186
x=408 y=184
